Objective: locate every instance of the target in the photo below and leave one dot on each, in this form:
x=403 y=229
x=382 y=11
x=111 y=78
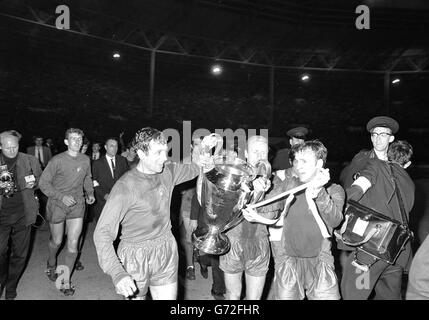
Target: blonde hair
x=254 y=139
x=10 y=133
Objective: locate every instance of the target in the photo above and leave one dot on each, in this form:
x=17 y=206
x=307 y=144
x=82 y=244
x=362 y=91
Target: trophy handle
x=219 y=144
x=263 y=169
x=240 y=205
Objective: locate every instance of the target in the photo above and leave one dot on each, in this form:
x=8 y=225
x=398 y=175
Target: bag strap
x=339 y=235
x=398 y=194
x=313 y=209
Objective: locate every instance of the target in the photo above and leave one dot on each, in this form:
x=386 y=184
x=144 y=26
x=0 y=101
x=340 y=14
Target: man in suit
x=40 y=151
x=43 y=154
x=95 y=154
x=50 y=144
x=105 y=172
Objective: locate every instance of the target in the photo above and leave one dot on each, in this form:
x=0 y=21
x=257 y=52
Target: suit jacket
x=53 y=149
x=100 y=155
x=103 y=175
x=47 y=154
x=27 y=165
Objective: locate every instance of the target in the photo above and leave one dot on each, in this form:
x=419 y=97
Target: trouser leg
x=20 y=238
x=388 y=286
x=218 y=278
x=4 y=261
x=356 y=284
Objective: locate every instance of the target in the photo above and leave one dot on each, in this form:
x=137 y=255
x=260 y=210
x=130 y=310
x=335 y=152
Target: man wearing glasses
x=382 y=130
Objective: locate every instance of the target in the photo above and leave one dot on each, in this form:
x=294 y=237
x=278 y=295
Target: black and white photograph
x=214 y=150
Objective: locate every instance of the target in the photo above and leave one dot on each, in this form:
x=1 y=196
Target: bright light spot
x=396 y=80
x=216 y=69
x=116 y=55
x=305 y=77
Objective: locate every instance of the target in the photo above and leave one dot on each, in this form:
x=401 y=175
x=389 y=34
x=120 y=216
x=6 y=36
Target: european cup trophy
x=222 y=198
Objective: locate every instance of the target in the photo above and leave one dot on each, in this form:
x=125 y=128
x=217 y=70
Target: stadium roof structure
x=287 y=34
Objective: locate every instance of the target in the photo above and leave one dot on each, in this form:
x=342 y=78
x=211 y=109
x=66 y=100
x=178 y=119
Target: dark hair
x=400 y=152
x=316 y=146
x=144 y=136
x=111 y=138
x=73 y=130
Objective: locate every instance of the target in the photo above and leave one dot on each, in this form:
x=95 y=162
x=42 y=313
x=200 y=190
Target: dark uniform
x=282 y=159
x=385 y=279
x=352 y=170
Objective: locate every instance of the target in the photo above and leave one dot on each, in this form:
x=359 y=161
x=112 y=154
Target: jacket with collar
x=27 y=165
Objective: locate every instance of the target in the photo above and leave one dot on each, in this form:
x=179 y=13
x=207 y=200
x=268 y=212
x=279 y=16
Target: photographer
x=19 y=174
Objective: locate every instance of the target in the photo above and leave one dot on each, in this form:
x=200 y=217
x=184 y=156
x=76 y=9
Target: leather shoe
x=51 y=272
x=217 y=295
x=190 y=273
x=79 y=266
x=204 y=271
x=67 y=289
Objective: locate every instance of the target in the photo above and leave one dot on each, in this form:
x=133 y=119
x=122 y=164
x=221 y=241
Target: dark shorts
x=151 y=262
x=249 y=255
x=315 y=278
x=57 y=211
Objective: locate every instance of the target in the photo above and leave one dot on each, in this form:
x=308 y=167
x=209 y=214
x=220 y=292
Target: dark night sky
x=52 y=79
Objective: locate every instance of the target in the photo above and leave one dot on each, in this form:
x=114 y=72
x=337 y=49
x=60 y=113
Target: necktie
x=113 y=167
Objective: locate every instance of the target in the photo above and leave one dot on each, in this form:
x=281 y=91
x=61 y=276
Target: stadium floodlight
x=305 y=77
x=216 y=69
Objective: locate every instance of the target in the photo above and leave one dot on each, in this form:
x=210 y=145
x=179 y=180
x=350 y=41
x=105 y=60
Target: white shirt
x=109 y=161
x=37 y=153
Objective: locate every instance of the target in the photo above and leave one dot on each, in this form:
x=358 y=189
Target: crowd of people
x=131 y=195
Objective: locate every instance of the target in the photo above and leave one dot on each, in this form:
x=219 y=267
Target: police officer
x=382 y=130
x=296 y=135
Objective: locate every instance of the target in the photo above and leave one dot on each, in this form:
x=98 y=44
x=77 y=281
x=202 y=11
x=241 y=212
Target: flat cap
x=383 y=121
x=298 y=132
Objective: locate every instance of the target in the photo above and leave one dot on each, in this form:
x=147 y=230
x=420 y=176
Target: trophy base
x=210 y=241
